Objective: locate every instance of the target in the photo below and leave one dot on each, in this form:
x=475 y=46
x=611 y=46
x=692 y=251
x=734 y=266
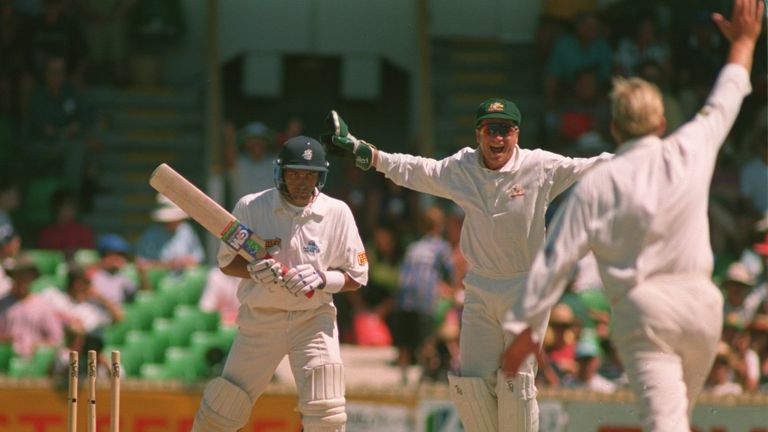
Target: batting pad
x=518 y=409
x=225 y=408
x=322 y=402
x=474 y=402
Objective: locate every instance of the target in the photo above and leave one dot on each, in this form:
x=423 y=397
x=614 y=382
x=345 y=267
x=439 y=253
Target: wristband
x=334 y=281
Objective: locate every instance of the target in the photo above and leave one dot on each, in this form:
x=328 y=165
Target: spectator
x=27 y=320
x=582 y=117
x=426 y=268
x=66 y=233
x=560 y=341
x=108 y=279
x=574 y=52
x=54 y=32
x=84 y=310
x=759 y=333
x=12 y=59
x=741 y=299
x=293 y=128
x=9 y=200
x=170 y=242
x=753 y=175
x=700 y=59
x=57 y=126
x=249 y=159
x=644 y=45
x=720 y=380
x=588 y=360
x=358 y=309
x=746 y=363
x=10 y=243
x=220 y=295
x=106 y=31
x=652 y=71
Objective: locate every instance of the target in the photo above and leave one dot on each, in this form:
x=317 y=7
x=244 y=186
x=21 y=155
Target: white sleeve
x=353 y=260
x=567 y=171
x=415 y=172
x=554 y=265
x=708 y=129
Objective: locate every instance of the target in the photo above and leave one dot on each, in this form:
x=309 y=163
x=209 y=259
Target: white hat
x=167 y=211
x=738 y=272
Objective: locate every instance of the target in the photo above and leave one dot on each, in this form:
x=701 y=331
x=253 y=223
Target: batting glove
x=341 y=137
x=266 y=272
x=302 y=279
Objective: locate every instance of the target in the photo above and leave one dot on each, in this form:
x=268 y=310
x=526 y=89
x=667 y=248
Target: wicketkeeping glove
x=266 y=272
x=341 y=137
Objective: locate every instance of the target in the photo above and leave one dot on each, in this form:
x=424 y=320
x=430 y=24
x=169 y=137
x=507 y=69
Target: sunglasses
x=502 y=129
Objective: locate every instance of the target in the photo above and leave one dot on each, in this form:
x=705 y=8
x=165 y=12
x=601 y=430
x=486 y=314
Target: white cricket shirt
x=504 y=209
x=323 y=234
x=643 y=214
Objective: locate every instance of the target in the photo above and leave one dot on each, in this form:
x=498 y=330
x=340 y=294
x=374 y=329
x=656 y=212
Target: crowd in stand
x=415 y=269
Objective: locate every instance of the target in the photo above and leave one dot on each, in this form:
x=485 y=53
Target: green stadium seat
x=115 y=333
x=138 y=316
x=194 y=280
x=202 y=341
x=6 y=354
x=47 y=261
x=208 y=321
x=155 y=275
x=152 y=347
x=43 y=282
x=131 y=358
x=37 y=366
x=154 y=372
x=183 y=363
x=19 y=367
x=182 y=331
x=36 y=205
x=150 y=301
x=131 y=272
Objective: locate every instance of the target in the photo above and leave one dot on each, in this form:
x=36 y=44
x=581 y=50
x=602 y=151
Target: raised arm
x=742 y=30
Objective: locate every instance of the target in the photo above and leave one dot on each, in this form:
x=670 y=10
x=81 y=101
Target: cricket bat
x=208 y=213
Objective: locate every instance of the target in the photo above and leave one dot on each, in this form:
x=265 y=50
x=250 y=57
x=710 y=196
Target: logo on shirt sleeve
x=362 y=258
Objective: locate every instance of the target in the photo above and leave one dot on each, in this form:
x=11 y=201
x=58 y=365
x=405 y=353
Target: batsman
x=504 y=191
x=321 y=247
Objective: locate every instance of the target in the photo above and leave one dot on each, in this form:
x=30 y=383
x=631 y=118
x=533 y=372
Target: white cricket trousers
x=666 y=331
x=309 y=338
x=482 y=338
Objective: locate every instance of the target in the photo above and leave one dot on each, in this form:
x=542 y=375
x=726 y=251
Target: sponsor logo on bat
x=235 y=235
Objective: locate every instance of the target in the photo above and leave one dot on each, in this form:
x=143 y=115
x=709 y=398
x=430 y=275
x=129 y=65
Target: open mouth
x=497 y=150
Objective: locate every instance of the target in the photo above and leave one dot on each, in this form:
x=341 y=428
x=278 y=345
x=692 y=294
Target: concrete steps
x=142 y=128
x=468 y=71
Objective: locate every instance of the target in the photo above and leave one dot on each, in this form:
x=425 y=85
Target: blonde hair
x=637 y=107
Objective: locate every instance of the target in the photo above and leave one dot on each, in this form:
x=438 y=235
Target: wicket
x=92 y=367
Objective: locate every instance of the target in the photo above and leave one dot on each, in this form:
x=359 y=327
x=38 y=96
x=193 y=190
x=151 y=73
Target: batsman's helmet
x=302 y=153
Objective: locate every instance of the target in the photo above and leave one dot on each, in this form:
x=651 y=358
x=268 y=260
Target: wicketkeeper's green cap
x=498 y=109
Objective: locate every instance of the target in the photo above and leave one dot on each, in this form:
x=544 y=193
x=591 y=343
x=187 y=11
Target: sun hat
x=167 y=211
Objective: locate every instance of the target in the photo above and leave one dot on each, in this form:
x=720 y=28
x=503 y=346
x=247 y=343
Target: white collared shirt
x=643 y=214
x=504 y=209
x=323 y=234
